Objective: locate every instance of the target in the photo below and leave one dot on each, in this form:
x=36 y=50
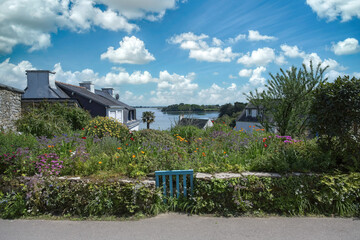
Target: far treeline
x=190 y=108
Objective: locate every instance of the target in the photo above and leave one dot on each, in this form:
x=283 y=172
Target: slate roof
x=87 y=94
x=243 y=118
x=3 y=86
x=114 y=100
x=200 y=123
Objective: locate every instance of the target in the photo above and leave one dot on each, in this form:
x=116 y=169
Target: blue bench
x=170 y=175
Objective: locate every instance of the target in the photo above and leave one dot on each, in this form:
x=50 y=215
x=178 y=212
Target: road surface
x=178 y=226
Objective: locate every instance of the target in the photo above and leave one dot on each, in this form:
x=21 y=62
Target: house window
x=253 y=114
x=248 y=112
x=112 y=114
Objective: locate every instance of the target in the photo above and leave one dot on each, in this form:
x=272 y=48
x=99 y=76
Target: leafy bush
x=52 y=119
x=104 y=126
x=337 y=195
x=12 y=205
x=335 y=117
x=187 y=132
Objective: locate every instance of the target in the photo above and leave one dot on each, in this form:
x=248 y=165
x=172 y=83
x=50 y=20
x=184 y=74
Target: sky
x=162 y=52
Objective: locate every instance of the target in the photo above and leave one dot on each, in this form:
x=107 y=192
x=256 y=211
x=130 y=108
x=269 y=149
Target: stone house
x=248 y=120
x=10 y=106
x=102 y=102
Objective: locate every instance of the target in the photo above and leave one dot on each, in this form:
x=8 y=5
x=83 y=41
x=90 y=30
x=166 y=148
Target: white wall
x=115 y=113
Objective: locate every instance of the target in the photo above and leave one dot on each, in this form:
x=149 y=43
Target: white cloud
x=261 y=56
x=136 y=77
x=245 y=72
x=30 y=22
x=348 y=46
x=138 y=9
x=232 y=77
x=292 y=51
x=14 y=75
x=174 y=88
x=256 y=78
x=184 y=37
x=200 y=50
x=237 y=38
x=332 y=9
x=256 y=36
x=217 y=42
x=333 y=65
x=132 y=51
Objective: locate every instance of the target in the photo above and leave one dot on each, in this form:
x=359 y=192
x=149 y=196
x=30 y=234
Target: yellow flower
x=142 y=152
x=133 y=156
x=100 y=162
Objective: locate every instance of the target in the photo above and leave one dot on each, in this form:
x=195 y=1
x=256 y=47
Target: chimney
x=109 y=91
x=39 y=84
x=88 y=85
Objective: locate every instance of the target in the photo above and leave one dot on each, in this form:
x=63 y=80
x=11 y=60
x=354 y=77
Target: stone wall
x=10 y=108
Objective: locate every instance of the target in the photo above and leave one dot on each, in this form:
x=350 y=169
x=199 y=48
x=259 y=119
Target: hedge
x=330 y=195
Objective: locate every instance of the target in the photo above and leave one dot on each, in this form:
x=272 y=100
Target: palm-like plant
x=148 y=118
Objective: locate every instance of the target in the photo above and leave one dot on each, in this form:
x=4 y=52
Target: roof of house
x=200 y=123
x=105 y=101
x=3 y=86
x=114 y=100
x=243 y=118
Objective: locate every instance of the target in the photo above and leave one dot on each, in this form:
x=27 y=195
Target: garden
x=40 y=169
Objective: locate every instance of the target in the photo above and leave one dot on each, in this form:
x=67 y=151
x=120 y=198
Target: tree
x=148 y=118
x=285 y=104
x=335 y=117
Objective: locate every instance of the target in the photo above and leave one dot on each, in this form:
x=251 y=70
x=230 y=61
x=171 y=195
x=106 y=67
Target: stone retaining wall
x=10 y=108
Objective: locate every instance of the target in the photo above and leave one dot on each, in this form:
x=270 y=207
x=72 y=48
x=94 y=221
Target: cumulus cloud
x=237 y=38
x=174 y=88
x=30 y=22
x=200 y=50
x=256 y=77
x=245 y=72
x=14 y=74
x=332 y=9
x=348 y=46
x=132 y=50
x=260 y=57
x=331 y=63
x=256 y=36
x=292 y=51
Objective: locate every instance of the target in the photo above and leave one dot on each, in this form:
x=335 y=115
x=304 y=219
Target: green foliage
x=10 y=142
x=76 y=198
x=49 y=119
x=337 y=194
x=286 y=102
x=189 y=108
x=187 y=132
x=148 y=118
x=229 y=109
x=335 y=116
x=12 y=205
x=105 y=126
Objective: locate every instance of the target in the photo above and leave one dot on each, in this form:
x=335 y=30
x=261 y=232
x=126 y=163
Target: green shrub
x=187 y=132
x=104 y=126
x=156 y=136
x=12 y=205
x=52 y=119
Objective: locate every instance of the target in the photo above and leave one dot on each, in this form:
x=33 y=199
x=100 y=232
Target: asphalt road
x=176 y=226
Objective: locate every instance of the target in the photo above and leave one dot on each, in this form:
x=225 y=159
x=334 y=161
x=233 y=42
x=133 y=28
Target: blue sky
x=161 y=52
